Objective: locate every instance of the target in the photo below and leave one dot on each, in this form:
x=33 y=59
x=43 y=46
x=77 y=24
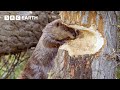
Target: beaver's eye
x=57 y=24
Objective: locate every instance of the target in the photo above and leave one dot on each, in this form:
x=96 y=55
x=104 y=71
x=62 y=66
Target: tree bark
x=17 y=36
x=101 y=64
x=105 y=67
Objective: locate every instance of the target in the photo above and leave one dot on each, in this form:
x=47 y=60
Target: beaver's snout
x=74 y=32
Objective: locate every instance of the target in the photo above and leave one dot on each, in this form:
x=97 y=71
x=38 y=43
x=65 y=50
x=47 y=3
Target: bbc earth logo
x=19 y=17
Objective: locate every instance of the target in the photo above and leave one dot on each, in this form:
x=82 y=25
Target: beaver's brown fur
x=41 y=61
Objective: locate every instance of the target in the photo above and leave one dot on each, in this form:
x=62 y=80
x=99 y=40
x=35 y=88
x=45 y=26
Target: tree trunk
x=105 y=67
x=75 y=60
x=17 y=36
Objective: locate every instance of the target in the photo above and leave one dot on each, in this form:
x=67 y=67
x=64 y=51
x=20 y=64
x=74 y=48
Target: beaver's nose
x=74 y=32
x=77 y=32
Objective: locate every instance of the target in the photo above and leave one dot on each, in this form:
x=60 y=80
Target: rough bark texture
x=87 y=67
x=17 y=36
x=105 y=66
x=67 y=67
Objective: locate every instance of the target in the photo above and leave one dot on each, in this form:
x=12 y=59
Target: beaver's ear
x=52 y=24
x=57 y=23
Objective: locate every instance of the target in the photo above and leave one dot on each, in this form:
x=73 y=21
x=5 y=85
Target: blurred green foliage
x=12 y=65
x=118 y=72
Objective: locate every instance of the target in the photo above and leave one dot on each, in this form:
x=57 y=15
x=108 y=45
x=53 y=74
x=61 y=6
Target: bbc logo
x=12 y=17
